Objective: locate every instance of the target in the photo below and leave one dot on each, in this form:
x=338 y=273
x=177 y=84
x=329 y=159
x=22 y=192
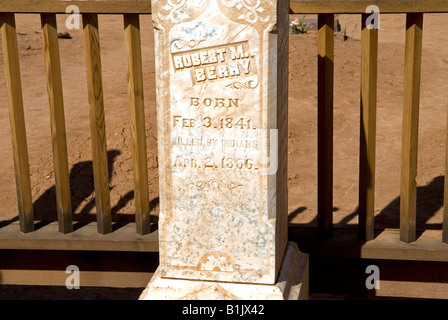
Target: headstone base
x=292 y=284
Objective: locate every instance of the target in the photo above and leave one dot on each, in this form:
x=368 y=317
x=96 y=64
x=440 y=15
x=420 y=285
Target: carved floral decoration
x=252 y=6
x=215 y=184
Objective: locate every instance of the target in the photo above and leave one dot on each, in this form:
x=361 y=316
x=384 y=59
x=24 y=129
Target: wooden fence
x=400 y=254
x=414 y=11
x=48 y=10
x=141 y=238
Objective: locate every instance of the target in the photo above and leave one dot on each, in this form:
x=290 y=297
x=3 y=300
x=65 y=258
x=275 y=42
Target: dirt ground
x=302 y=121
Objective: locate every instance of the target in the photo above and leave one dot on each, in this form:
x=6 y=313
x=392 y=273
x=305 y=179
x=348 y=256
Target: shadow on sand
x=429 y=201
x=82 y=188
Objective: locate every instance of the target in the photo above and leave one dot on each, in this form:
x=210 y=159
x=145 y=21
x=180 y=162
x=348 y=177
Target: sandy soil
x=302 y=122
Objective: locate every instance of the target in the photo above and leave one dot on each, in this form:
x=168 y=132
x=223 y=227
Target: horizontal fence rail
x=359 y=6
x=85 y=6
x=66 y=242
x=297 y=6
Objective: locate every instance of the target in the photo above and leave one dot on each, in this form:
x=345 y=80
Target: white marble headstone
x=221 y=74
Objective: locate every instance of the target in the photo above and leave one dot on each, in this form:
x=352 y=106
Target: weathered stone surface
x=292 y=284
x=221 y=74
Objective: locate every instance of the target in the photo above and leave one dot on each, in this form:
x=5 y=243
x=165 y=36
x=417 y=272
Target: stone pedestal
x=222 y=92
x=292 y=284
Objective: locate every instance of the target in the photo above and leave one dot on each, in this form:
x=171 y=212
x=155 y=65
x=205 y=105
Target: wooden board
x=282 y=127
x=359 y=6
x=412 y=289
x=386 y=245
x=89 y=6
x=96 y=268
x=445 y=192
x=137 y=117
x=297 y=6
x=369 y=58
x=88 y=278
x=97 y=122
x=347 y=278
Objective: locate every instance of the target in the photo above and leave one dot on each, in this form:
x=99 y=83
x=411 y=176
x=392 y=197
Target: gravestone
x=222 y=89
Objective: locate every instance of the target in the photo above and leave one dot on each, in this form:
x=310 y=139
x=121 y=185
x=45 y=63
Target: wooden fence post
x=412 y=65
x=97 y=122
x=325 y=66
x=58 y=134
x=17 y=120
x=369 y=57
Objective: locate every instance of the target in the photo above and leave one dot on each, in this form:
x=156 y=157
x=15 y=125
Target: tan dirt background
x=302 y=122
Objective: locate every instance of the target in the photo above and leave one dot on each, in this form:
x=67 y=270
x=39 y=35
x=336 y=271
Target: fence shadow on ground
x=82 y=189
x=429 y=201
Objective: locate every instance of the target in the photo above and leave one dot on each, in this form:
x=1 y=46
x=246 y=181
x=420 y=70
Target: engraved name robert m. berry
x=214 y=63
